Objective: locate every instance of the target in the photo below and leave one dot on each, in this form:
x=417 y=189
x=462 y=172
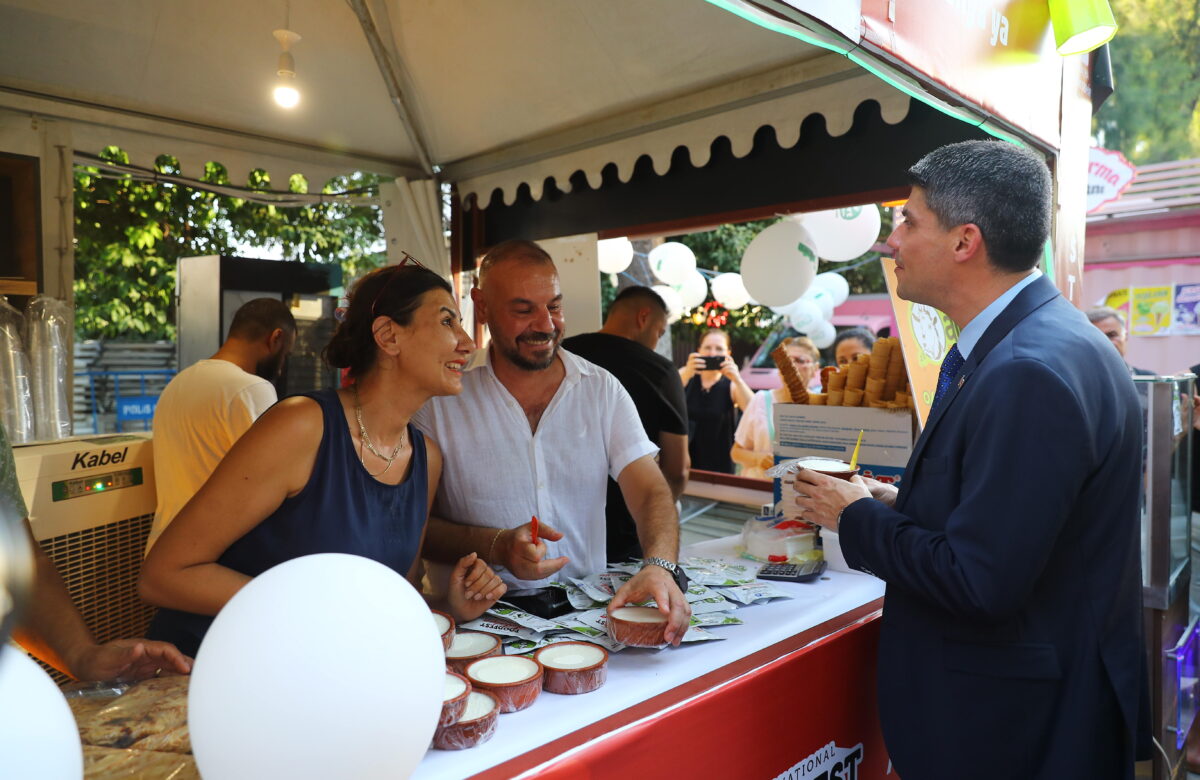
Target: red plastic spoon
x=533 y=527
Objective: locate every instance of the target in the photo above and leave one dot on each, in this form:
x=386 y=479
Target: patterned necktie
x=950 y=366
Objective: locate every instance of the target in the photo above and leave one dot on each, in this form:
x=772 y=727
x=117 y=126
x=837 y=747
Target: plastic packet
x=103 y=763
x=715 y=619
x=748 y=594
x=575 y=595
x=712 y=571
x=490 y=624
x=786 y=468
x=714 y=603
x=524 y=619
x=601 y=587
x=524 y=646
x=695 y=634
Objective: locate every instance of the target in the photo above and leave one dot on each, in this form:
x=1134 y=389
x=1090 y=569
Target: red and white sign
x=1109 y=175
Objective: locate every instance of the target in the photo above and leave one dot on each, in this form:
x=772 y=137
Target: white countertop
x=638 y=674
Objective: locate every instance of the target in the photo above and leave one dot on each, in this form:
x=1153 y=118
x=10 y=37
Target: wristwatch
x=677 y=572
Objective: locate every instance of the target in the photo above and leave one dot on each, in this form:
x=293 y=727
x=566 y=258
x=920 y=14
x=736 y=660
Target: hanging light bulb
x=1081 y=25
x=286 y=94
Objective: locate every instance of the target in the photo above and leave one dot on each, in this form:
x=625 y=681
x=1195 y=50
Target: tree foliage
x=130 y=235
x=1152 y=116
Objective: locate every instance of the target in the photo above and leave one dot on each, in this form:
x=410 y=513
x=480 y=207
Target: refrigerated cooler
x=1171 y=631
x=211 y=288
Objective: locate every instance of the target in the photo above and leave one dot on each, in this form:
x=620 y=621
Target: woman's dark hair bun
x=393 y=291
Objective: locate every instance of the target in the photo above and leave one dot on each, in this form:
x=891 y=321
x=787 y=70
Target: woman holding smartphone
x=713 y=387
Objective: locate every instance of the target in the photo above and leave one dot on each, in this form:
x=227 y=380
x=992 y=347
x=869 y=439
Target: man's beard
x=270 y=368
x=515 y=357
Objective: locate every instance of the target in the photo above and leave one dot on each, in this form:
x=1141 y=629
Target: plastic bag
x=152 y=715
x=101 y=763
x=780 y=540
x=16 y=393
x=48 y=327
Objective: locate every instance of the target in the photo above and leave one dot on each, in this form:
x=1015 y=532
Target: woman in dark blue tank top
x=329 y=471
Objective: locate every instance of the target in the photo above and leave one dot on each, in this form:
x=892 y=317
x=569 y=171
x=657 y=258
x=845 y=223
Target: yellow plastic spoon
x=854 y=457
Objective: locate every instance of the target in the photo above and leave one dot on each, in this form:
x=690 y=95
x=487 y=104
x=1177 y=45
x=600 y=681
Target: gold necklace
x=366 y=440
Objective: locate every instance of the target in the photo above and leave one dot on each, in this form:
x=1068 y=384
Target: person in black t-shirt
x=636 y=321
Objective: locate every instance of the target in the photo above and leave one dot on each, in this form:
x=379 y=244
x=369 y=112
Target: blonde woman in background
x=755 y=435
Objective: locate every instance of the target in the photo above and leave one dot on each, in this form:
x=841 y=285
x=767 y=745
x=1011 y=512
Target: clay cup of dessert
x=454 y=698
x=445 y=625
x=474 y=727
x=514 y=679
x=638 y=626
x=829 y=466
x=573 y=667
x=470 y=646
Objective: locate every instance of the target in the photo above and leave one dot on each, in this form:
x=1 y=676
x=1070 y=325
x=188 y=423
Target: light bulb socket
x=287 y=65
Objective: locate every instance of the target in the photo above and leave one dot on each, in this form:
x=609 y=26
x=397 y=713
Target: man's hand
x=474 y=588
x=821 y=498
x=657 y=583
x=526 y=560
x=881 y=491
x=129 y=659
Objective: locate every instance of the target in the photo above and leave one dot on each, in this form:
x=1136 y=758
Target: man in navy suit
x=1011 y=642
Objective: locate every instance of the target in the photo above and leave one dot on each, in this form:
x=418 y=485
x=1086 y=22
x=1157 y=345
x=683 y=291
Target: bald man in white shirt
x=537 y=431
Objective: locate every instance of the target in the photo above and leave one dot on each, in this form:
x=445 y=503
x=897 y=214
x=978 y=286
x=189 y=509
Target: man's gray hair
x=1003 y=189
x=1100 y=313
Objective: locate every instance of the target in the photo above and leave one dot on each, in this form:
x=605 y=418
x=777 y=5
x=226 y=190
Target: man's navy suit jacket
x=1011 y=636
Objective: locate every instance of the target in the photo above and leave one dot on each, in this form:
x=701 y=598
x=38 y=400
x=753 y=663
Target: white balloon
x=821 y=297
x=693 y=290
x=671 y=261
x=804 y=314
x=844 y=234
x=673 y=301
x=615 y=254
x=728 y=290
x=324 y=666
x=835 y=284
x=779 y=264
x=38 y=737
x=823 y=334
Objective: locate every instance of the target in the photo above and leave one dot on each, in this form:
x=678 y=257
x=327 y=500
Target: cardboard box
x=831 y=431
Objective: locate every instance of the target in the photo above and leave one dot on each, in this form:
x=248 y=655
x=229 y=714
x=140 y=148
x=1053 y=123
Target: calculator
x=792 y=572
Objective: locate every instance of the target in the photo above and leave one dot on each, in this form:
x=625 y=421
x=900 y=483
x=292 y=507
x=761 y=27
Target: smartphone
x=713 y=362
x=546 y=602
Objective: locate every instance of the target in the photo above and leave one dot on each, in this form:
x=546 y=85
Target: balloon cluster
x=779 y=270
x=779 y=267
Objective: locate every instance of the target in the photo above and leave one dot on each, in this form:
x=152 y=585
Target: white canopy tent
x=486 y=94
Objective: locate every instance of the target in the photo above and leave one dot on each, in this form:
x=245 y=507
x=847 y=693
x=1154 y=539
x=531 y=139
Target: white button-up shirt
x=497 y=473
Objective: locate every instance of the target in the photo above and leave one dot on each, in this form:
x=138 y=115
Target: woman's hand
x=695 y=363
x=474 y=587
x=729 y=369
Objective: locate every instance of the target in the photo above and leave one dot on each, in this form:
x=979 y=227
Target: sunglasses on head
x=408 y=260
